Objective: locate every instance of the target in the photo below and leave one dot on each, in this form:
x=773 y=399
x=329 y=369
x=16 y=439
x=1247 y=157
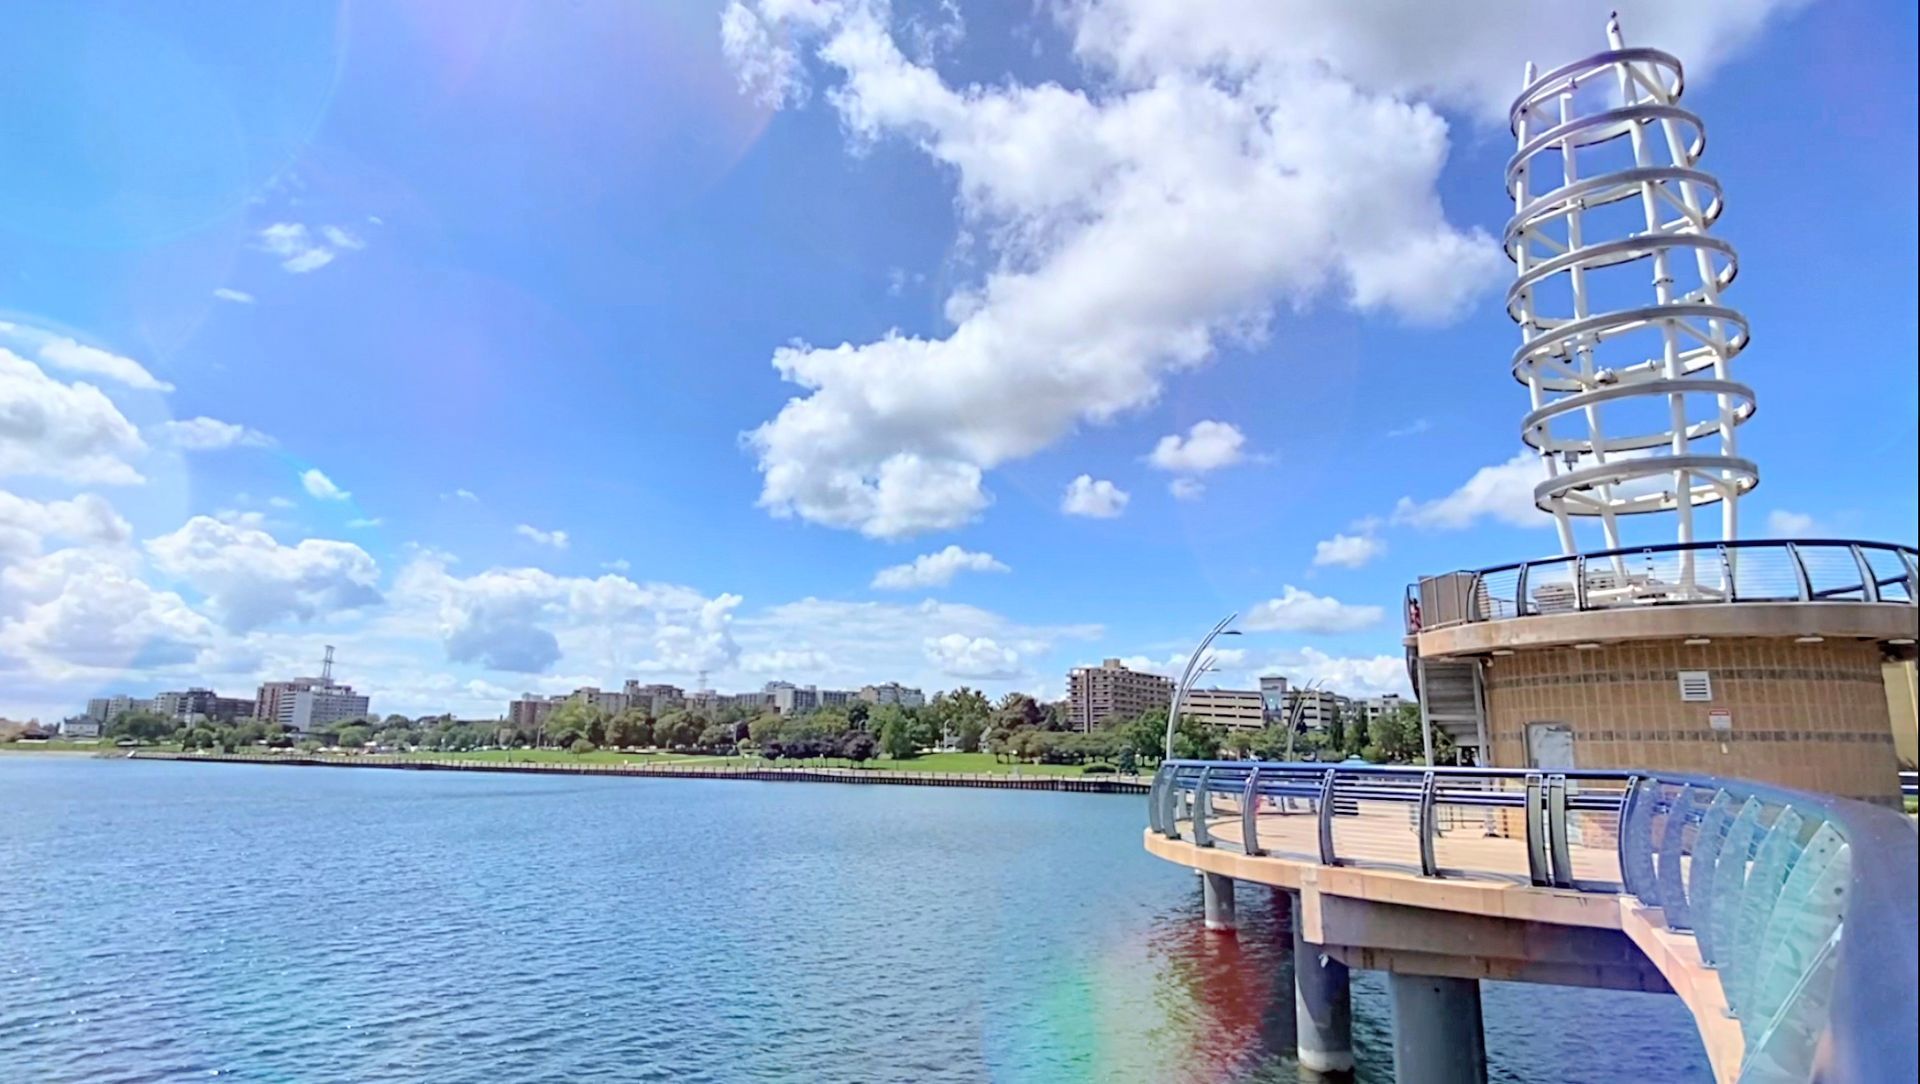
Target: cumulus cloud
x=1784 y=524
x=238 y=297
x=1097 y=499
x=72 y=432
x=935 y=569
x=1503 y=492
x=524 y=619
x=78 y=357
x=555 y=539
x=321 y=487
x=1303 y=611
x=1348 y=675
x=466 y=495
x=1131 y=230
x=26 y=525
x=800 y=661
x=962 y=656
x=251 y=580
x=85 y=608
x=204 y=434
x=1209 y=445
x=1350 y=550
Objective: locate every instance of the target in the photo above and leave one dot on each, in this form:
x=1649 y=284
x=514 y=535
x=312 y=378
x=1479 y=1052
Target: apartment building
x=106 y=709
x=1238 y=709
x=893 y=692
x=201 y=705
x=1098 y=693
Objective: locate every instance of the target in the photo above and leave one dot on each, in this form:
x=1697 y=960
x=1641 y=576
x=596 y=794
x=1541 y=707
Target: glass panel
x=1771 y=865
x=1636 y=842
x=1810 y=909
x=1832 y=572
x=1673 y=840
x=1785 y=1048
x=1706 y=855
x=1494 y=596
x=1729 y=882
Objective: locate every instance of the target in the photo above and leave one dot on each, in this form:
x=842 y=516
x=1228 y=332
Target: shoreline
x=1072 y=784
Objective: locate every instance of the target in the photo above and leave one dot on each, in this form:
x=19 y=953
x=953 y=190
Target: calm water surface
x=178 y=922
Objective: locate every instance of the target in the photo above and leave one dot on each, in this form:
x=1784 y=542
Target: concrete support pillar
x=1437 y=1038
x=1216 y=892
x=1322 y=1007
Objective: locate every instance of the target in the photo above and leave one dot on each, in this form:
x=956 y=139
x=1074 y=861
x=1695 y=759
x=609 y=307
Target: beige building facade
x=1098 y=693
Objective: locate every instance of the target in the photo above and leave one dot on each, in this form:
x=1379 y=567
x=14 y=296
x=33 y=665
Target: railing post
x=1250 y=814
x=1327 y=856
x=1726 y=570
x=1520 y=591
x=1580 y=584
x=1869 y=586
x=1557 y=848
x=1673 y=886
x=1537 y=870
x=1428 y=867
x=1800 y=571
x=1202 y=809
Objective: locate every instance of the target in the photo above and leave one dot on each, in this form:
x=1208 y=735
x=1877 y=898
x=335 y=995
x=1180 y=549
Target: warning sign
x=1720 y=719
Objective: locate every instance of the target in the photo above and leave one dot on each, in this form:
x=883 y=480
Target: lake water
x=172 y=922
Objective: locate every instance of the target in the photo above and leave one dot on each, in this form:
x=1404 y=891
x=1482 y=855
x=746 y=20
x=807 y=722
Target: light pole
x=1191 y=674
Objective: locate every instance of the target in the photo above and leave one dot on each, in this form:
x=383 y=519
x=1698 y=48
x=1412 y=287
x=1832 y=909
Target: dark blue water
x=178 y=922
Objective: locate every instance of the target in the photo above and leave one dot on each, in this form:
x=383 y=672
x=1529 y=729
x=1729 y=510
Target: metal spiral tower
x=1633 y=409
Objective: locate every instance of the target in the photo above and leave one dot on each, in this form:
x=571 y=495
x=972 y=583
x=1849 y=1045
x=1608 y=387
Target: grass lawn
x=551 y=756
x=58 y=747
x=962 y=763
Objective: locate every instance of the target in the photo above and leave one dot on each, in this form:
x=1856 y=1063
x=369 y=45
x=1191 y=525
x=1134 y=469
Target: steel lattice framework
x=1633 y=408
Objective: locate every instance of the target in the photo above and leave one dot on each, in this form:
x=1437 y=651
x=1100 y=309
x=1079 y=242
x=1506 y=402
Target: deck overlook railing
x=1804 y=904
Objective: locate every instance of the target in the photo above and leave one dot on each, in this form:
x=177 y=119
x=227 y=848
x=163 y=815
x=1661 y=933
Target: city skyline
x=804 y=380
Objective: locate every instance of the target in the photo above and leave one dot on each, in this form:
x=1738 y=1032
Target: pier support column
x=1437 y=1037
x=1322 y=1007
x=1216 y=893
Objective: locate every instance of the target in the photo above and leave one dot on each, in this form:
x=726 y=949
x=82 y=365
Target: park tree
x=858 y=746
x=896 y=739
x=141 y=726
x=1195 y=739
x=1018 y=711
x=352 y=736
x=717 y=737
x=857 y=713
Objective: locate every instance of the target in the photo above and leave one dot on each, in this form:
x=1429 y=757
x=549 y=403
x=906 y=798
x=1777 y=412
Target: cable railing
x=1809 y=570
x=1804 y=904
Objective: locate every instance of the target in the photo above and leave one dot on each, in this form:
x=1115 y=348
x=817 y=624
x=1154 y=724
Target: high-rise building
x=893 y=692
x=1097 y=693
x=656 y=700
x=531 y=710
x=306 y=703
x=201 y=705
x=108 y=708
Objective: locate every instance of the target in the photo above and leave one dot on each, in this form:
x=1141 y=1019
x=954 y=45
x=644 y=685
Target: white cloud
x=68 y=431
x=26 y=525
x=802 y=661
x=238 y=297
x=1209 y=445
x=78 y=357
x=1131 y=231
x=321 y=487
x=466 y=495
x=527 y=619
x=86 y=608
x=618 y=564
x=555 y=539
x=1099 y=499
x=1412 y=428
x=958 y=655
x=1187 y=489
x=365 y=521
x=1350 y=675
x=1784 y=524
x=1348 y=550
x=935 y=569
x=1303 y=611
x=299 y=251
x=281 y=502
x=1503 y=492
x=251 y=580
x=204 y=434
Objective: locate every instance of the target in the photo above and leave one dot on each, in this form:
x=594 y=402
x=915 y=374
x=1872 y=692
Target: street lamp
x=1192 y=674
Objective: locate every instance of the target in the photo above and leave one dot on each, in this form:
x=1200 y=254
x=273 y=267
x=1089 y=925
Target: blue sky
x=511 y=346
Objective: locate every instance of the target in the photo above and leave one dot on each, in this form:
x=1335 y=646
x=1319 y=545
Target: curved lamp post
x=1195 y=667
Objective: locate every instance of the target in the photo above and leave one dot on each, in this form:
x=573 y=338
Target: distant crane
x=326 y=667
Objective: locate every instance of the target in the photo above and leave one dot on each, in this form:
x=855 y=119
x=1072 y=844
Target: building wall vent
x=1696 y=686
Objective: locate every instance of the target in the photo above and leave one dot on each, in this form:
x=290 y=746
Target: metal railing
x=1809 y=570
x=1804 y=904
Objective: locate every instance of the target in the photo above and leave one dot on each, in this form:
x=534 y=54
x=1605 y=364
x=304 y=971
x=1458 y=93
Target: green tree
x=896 y=739
x=1337 y=730
x=352 y=737
x=857 y=713
x=1018 y=711
x=1195 y=739
x=141 y=726
x=581 y=745
x=717 y=737
x=858 y=746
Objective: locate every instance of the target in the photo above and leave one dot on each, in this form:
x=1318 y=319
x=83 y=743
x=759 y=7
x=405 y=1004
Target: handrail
x=1805 y=903
x=1602 y=580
